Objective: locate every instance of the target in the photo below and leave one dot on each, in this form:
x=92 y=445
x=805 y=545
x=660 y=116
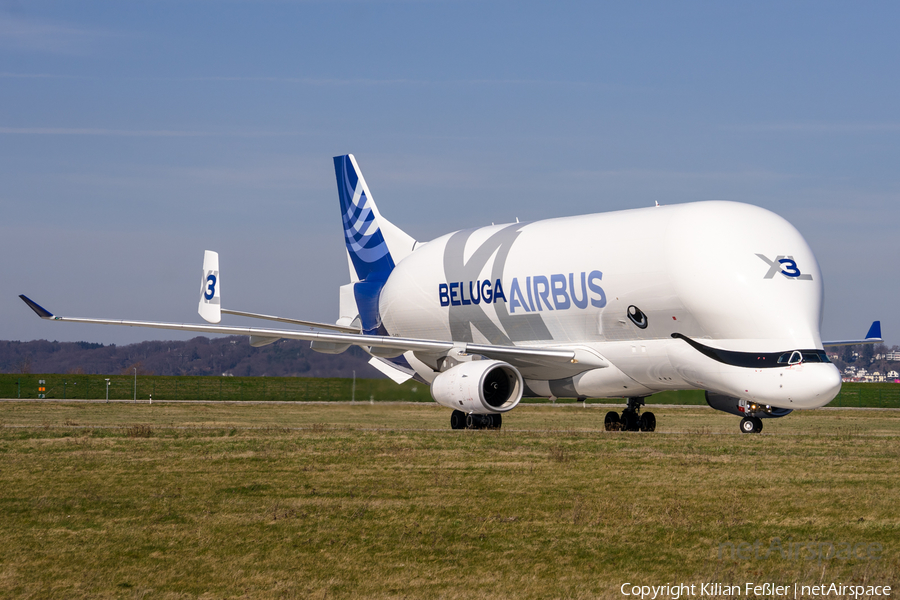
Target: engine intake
x=479 y=386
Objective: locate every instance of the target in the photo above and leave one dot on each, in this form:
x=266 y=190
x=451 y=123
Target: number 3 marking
x=211 y=288
x=789 y=268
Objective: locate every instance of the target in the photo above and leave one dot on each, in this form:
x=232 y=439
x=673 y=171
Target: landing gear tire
x=629 y=421
x=611 y=422
x=457 y=420
x=633 y=420
x=751 y=425
x=483 y=421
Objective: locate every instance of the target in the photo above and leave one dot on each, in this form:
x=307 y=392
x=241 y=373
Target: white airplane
x=715 y=296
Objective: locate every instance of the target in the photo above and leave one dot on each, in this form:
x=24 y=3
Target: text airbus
x=536 y=293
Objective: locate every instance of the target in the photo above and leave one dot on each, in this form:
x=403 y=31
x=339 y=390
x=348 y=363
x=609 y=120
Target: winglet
x=873 y=337
x=40 y=310
x=874 y=331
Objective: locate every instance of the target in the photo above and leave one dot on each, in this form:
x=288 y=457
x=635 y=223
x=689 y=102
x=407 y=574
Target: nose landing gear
x=751 y=425
x=631 y=419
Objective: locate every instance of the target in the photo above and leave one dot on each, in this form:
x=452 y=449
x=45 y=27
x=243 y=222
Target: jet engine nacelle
x=479 y=386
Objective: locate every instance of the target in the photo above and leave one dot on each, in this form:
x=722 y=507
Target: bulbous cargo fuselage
x=729 y=276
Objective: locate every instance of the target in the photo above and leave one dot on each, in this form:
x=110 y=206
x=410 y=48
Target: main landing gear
x=631 y=419
x=751 y=425
x=460 y=420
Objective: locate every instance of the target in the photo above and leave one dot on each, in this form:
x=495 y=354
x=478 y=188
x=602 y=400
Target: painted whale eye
x=637 y=316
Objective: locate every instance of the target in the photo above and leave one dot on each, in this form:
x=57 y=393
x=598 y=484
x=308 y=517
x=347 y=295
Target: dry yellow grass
x=385 y=501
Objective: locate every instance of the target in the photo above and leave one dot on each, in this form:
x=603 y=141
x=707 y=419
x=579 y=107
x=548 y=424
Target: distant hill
x=199 y=356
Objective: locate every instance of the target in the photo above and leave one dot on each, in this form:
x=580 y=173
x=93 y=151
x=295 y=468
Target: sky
x=135 y=135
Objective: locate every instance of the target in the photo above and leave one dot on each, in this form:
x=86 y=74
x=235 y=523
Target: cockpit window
x=808 y=356
x=818 y=356
x=757 y=360
x=790 y=358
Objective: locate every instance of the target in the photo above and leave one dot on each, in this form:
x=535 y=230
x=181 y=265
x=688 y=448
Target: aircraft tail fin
x=210 y=301
x=374 y=244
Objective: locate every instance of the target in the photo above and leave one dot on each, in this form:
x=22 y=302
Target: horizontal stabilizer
x=211 y=301
x=873 y=337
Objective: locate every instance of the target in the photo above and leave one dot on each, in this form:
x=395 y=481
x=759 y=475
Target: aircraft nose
x=822 y=384
x=808 y=385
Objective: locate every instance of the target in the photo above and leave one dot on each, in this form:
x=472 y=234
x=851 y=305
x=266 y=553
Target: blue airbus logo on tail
x=365 y=243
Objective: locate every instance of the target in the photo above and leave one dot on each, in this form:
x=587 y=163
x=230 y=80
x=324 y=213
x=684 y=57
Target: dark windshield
x=818 y=356
x=757 y=360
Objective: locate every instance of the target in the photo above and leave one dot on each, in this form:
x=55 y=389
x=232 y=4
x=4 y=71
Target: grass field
x=385 y=501
x=93 y=387
x=124 y=387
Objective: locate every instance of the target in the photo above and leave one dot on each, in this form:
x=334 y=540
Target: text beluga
x=534 y=293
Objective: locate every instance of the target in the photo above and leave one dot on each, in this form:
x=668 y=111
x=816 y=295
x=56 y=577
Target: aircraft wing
x=515 y=355
x=330 y=326
x=873 y=337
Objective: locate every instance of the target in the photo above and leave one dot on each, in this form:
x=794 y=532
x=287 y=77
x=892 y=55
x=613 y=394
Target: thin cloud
x=92 y=131
x=663 y=175
x=817 y=128
x=7 y=75
x=336 y=82
x=366 y=81
x=35 y=35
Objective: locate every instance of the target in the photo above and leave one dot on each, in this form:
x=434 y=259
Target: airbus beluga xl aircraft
x=716 y=296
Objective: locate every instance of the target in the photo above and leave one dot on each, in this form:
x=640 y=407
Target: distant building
x=893 y=375
x=892 y=356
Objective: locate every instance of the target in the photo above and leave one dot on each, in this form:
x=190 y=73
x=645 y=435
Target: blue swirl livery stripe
x=365 y=243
